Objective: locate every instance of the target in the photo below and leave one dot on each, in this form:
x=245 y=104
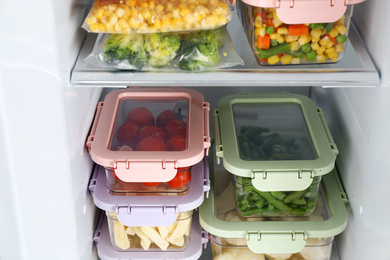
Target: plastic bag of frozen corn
x=149 y=16
x=150 y=238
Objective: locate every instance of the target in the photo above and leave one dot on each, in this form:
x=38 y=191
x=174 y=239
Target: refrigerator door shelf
x=356 y=69
x=131 y=209
x=192 y=251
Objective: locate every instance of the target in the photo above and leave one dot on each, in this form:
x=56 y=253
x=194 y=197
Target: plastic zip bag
x=150 y=16
x=195 y=51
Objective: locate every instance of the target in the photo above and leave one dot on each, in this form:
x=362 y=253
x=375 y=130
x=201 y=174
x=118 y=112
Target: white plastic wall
x=47 y=212
x=359 y=120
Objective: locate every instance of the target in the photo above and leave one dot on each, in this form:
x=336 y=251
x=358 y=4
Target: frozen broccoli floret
x=161 y=48
x=201 y=49
x=126 y=47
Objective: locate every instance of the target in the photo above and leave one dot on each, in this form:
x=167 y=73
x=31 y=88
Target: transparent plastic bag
x=194 y=51
x=150 y=16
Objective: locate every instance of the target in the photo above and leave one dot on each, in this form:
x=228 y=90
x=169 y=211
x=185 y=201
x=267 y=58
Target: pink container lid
x=305 y=11
x=149 y=166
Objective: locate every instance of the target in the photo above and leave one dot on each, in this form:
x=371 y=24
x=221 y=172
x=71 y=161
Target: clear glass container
x=174 y=237
x=276 y=43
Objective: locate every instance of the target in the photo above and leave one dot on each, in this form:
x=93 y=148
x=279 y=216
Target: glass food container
x=266 y=238
x=296 y=32
x=277 y=146
x=191 y=250
x=148 y=139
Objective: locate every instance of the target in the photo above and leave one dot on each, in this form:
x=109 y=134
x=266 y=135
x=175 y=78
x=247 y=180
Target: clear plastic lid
x=272 y=132
x=146 y=135
x=279 y=140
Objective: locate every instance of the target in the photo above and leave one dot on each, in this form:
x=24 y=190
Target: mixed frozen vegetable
x=277 y=43
x=252 y=202
x=173 y=236
x=149 y=16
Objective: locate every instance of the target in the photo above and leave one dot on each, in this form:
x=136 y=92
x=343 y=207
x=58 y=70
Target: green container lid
x=279 y=140
x=274 y=235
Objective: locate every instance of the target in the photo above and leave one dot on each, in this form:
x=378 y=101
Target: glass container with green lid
x=279 y=140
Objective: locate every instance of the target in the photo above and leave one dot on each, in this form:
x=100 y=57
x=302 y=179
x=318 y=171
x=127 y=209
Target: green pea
x=306 y=48
x=341 y=38
x=311 y=55
x=269 y=29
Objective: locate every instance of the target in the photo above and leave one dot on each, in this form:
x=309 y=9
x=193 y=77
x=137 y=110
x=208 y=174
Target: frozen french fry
x=130 y=231
x=120 y=235
x=145 y=241
x=155 y=237
x=177 y=241
x=180 y=228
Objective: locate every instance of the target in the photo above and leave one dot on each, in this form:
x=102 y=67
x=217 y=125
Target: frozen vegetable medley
x=276 y=43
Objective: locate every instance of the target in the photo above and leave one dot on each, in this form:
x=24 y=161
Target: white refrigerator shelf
x=356 y=69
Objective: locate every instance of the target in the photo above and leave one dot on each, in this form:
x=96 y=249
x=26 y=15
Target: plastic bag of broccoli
x=193 y=51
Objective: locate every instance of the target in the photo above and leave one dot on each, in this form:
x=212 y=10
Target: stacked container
x=282 y=32
x=276 y=148
x=150 y=147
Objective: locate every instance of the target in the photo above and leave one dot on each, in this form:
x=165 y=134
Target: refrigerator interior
x=45 y=119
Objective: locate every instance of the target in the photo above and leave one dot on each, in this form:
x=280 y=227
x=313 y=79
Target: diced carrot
x=333 y=39
x=280 y=55
x=263 y=42
x=269 y=22
x=298 y=30
x=265 y=60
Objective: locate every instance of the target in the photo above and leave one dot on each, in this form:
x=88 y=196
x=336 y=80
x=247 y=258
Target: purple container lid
x=106 y=251
x=150 y=210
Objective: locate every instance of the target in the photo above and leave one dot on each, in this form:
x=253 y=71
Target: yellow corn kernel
x=324 y=41
x=120 y=12
x=294 y=46
x=145 y=5
x=286 y=59
x=95 y=27
x=134 y=22
x=157 y=23
x=334 y=56
x=333 y=32
x=184 y=12
x=182 y=5
x=91 y=20
x=295 y=61
x=315 y=33
x=165 y=22
x=107 y=13
x=341 y=29
x=321 y=50
x=152 y=5
x=274 y=36
x=212 y=20
x=276 y=22
x=159 y=8
x=169 y=7
x=99 y=13
x=282 y=30
x=123 y=23
x=330 y=45
x=341 y=21
x=131 y=3
x=289 y=38
x=280 y=39
x=110 y=27
x=146 y=14
x=321 y=58
x=113 y=19
x=315 y=39
x=258 y=24
x=111 y=7
x=339 y=47
x=260 y=31
x=304 y=39
x=273 y=59
x=176 y=13
x=222 y=19
x=315 y=46
x=330 y=50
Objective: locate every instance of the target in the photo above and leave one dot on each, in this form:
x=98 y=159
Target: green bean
x=266 y=53
x=277 y=203
x=293 y=196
